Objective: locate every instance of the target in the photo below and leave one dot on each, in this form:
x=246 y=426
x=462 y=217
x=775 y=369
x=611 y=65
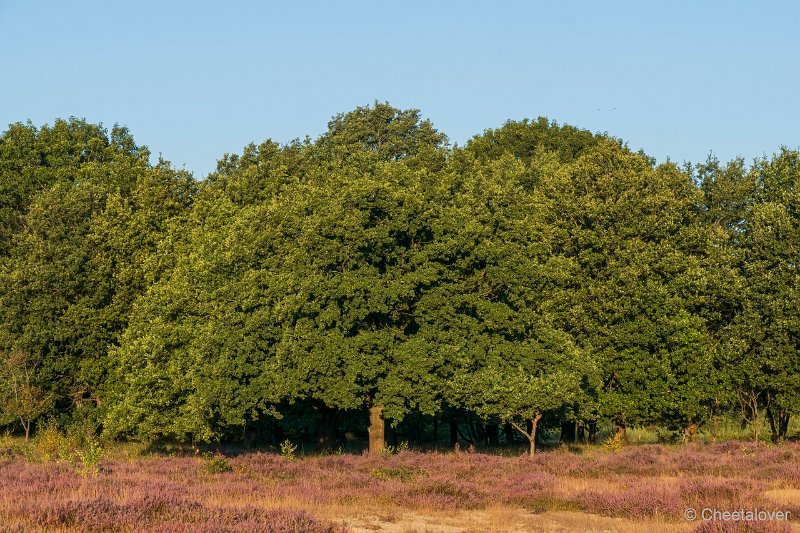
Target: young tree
x=21 y=398
x=519 y=382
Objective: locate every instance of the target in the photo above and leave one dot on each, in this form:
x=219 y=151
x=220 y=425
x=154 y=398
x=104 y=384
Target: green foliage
x=400 y=473
x=217 y=464
x=615 y=442
x=539 y=272
x=389 y=450
x=22 y=399
x=50 y=444
x=289 y=450
x=525 y=138
x=89 y=456
x=11 y=446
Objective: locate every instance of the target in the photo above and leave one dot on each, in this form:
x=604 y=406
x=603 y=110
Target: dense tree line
x=538 y=275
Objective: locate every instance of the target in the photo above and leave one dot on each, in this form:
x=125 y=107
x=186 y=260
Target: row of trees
x=540 y=272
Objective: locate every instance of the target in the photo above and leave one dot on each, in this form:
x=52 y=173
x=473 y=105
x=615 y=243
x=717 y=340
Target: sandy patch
x=784 y=496
x=505 y=520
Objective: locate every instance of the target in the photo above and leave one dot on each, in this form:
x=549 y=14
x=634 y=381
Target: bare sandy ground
x=503 y=520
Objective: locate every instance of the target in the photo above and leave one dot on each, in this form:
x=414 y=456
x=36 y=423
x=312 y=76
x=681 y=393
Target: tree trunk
x=715 y=430
x=690 y=432
x=508 y=431
x=569 y=432
x=772 y=426
x=27 y=428
x=453 y=431
x=592 y=430
x=326 y=429
x=783 y=431
x=436 y=430
x=472 y=431
x=377 y=430
x=276 y=433
x=756 y=418
x=619 y=428
x=778 y=423
x=492 y=434
x=530 y=434
x=416 y=431
x=391 y=436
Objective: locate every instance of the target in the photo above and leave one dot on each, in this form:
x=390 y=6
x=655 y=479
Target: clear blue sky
x=193 y=80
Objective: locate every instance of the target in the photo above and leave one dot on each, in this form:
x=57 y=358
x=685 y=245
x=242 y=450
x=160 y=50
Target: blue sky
x=193 y=80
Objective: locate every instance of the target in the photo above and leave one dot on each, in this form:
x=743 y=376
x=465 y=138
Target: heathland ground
x=47 y=487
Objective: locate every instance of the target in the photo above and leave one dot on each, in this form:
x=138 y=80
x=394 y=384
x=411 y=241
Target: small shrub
x=615 y=443
x=388 y=451
x=667 y=436
x=747 y=451
x=218 y=465
x=90 y=456
x=289 y=450
x=49 y=443
x=10 y=446
x=400 y=473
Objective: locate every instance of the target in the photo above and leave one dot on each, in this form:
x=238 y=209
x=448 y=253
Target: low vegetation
x=646 y=486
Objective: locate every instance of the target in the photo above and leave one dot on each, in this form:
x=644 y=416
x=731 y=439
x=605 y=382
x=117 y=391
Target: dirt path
x=504 y=520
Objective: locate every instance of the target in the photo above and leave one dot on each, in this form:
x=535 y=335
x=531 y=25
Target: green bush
x=217 y=465
x=90 y=455
x=400 y=473
x=289 y=450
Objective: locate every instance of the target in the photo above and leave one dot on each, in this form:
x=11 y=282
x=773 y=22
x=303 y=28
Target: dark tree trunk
x=492 y=434
x=508 y=431
x=436 y=429
x=772 y=425
x=326 y=429
x=466 y=438
x=690 y=432
x=569 y=432
x=249 y=437
x=416 y=430
x=377 y=430
x=474 y=432
x=778 y=423
x=591 y=428
x=784 y=426
x=715 y=428
x=276 y=433
x=620 y=429
x=391 y=436
x=453 y=431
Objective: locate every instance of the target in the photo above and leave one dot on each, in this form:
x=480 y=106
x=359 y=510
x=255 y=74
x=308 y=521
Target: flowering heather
x=266 y=492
